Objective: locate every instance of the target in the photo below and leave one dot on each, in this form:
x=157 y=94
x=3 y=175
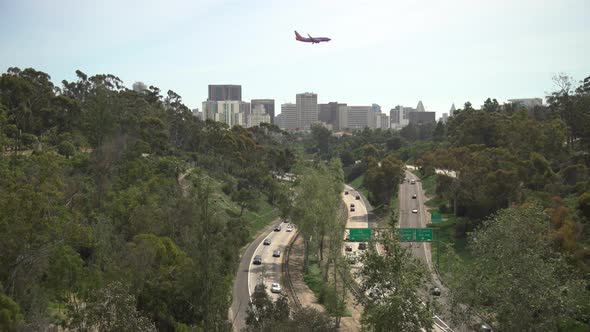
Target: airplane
x=313 y=40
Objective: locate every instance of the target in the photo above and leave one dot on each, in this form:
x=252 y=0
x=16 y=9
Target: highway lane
x=240 y=293
x=356 y=219
x=271 y=268
x=407 y=218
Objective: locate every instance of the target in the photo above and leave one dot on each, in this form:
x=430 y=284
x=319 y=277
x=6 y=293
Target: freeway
x=270 y=270
x=407 y=218
x=248 y=274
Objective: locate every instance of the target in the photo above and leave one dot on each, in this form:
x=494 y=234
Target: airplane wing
x=312 y=40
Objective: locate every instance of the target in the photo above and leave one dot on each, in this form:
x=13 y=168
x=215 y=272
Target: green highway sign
x=436 y=217
x=415 y=234
x=424 y=234
x=359 y=234
x=406 y=234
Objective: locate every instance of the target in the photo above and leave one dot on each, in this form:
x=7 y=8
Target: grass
x=358 y=185
x=429 y=184
x=258 y=219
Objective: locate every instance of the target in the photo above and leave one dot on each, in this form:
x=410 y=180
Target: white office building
x=307 y=110
x=258 y=115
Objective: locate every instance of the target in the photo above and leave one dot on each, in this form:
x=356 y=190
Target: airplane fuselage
x=313 y=40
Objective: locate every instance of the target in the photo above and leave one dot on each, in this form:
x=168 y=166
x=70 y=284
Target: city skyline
x=395 y=53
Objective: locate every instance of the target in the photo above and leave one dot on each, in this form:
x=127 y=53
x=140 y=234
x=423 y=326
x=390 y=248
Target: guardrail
x=286 y=271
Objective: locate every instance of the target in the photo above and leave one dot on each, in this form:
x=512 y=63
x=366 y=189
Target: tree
x=10 y=314
x=110 y=309
x=584 y=206
x=517 y=281
x=393 y=282
x=265 y=315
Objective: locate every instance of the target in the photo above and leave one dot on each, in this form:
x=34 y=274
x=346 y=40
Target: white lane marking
x=250 y=266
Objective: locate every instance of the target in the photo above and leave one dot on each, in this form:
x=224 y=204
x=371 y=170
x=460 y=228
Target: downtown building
x=359 y=117
x=269 y=107
x=257 y=116
x=307 y=110
x=334 y=114
x=222 y=92
x=288 y=117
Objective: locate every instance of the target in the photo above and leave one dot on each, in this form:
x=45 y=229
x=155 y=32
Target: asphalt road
x=270 y=269
x=421 y=250
x=248 y=274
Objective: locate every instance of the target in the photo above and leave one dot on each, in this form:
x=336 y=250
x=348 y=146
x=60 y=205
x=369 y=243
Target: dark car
x=266 y=242
x=414 y=196
x=257 y=260
x=346 y=193
x=276 y=253
x=435 y=291
x=348 y=247
x=277 y=228
x=362 y=246
x=351 y=204
x=352 y=209
x=285 y=220
x=358 y=197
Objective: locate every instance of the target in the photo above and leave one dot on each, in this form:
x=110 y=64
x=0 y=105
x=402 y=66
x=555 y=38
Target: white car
x=275 y=288
x=414 y=211
x=289 y=228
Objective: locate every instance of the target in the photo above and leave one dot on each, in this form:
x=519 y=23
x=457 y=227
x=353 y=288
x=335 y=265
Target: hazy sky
x=387 y=52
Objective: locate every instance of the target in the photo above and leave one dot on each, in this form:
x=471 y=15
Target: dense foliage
x=121 y=197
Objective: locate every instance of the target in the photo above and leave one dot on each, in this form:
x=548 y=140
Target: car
x=266 y=242
x=277 y=228
x=289 y=228
x=346 y=193
x=351 y=258
x=414 y=196
x=351 y=209
x=362 y=246
x=348 y=247
x=351 y=204
x=358 y=197
x=257 y=260
x=275 y=287
x=414 y=211
x=276 y=253
x=435 y=291
x=412 y=181
x=285 y=220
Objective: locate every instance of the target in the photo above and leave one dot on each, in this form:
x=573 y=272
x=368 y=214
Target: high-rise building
x=209 y=109
x=229 y=112
x=382 y=121
x=258 y=116
x=279 y=120
x=445 y=117
x=420 y=107
x=420 y=118
x=334 y=114
x=289 y=117
x=399 y=116
x=269 y=106
x=452 y=110
x=225 y=92
x=359 y=117
x=245 y=110
x=307 y=110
